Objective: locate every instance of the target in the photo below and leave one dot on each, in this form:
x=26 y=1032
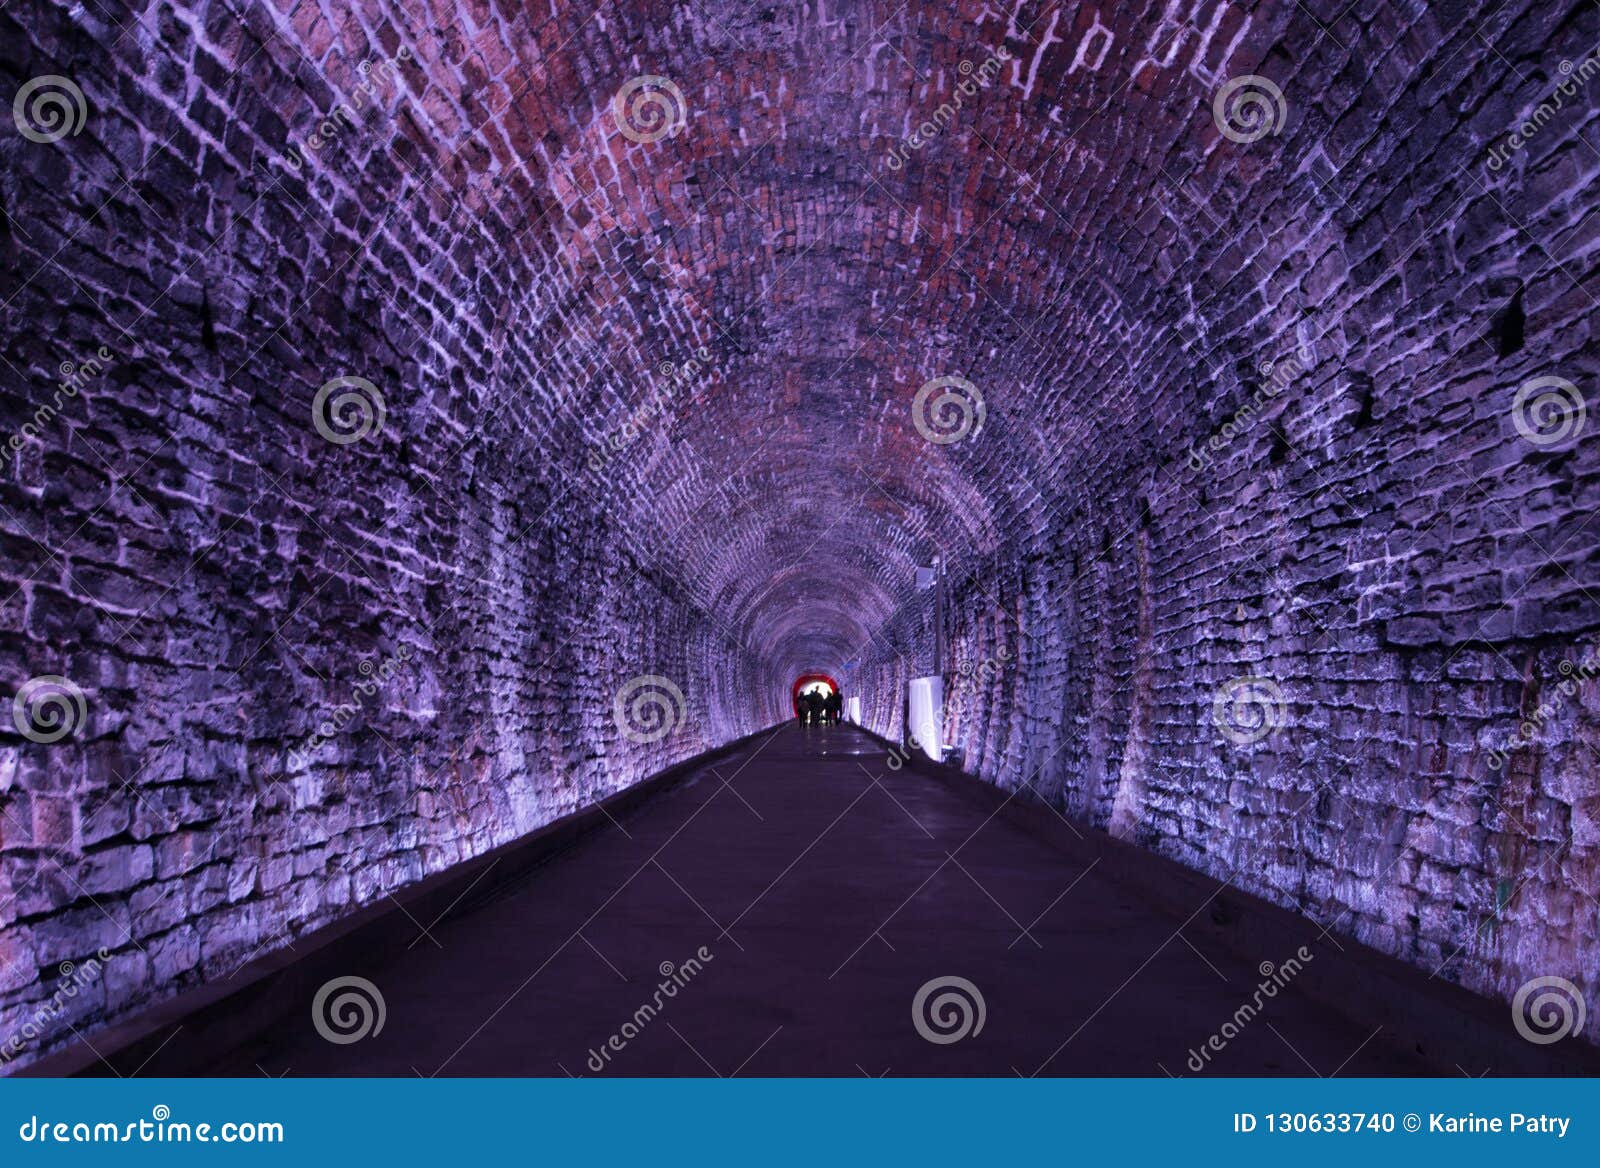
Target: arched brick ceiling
x=1041 y=246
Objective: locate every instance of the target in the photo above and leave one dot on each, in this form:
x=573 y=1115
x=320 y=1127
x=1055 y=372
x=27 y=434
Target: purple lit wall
x=1294 y=574
x=406 y=431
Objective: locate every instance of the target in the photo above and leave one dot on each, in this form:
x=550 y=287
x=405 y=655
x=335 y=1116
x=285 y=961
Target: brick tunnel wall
x=650 y=407
x=1335 y=637
x=305 y=665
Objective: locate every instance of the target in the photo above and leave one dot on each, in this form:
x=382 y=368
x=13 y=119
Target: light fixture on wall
x=926 y=716
x=925 y=695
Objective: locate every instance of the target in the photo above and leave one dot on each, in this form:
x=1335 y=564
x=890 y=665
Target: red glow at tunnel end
x=806 y=679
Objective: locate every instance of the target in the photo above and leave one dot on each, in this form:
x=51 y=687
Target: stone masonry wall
x=1332 y=634
x=308 y=655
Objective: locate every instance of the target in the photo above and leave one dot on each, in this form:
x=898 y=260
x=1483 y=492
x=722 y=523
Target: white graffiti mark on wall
x=1184 y=35
x=1199 y=36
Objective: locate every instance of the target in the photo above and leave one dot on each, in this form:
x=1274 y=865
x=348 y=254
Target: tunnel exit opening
x=818 y=683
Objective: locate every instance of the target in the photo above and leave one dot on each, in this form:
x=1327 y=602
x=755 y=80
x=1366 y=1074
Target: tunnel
x=440 y=438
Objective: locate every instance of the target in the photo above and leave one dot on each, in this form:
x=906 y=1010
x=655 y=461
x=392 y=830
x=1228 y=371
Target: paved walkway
x=827 y=890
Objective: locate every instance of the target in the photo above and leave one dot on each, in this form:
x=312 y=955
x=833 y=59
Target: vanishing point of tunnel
x=444 y=445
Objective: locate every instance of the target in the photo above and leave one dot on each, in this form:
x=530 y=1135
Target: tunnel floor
x=827 y=889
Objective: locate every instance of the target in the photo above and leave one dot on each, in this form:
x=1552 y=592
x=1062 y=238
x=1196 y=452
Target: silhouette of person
x=834 y=704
